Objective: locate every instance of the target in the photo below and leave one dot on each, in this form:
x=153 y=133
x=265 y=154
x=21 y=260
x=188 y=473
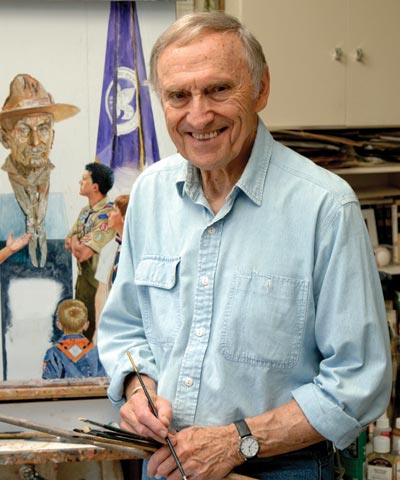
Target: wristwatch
x=248 y=444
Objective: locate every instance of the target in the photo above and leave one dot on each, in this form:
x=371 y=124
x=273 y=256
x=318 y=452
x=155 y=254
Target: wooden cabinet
x=332 y=62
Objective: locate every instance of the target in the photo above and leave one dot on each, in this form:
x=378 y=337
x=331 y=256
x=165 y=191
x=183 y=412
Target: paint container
x=380 y=461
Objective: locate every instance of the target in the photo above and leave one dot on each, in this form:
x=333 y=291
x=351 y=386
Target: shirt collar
x=252 y=180
x=100 y=205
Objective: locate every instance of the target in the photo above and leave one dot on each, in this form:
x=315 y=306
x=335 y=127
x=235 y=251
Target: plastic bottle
x=380 y=461
x=396 y=437
x=382 y=426
x=396 y=449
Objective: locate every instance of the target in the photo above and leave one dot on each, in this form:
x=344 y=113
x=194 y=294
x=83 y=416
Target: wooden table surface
x=48 y=450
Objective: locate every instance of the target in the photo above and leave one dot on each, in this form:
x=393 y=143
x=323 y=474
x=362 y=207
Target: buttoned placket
x=190 y=373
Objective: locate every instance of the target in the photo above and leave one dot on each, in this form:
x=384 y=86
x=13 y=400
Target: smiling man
x=235 y=290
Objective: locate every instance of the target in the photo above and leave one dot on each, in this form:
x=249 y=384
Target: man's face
x=208 y=100
x=86 y=184
x=30 y=140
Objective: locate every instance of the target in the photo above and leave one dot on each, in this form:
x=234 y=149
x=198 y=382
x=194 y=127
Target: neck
x=95 y=198
x=217 y=184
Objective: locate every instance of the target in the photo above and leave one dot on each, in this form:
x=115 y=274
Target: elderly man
x=247 y=292
x=26 y=128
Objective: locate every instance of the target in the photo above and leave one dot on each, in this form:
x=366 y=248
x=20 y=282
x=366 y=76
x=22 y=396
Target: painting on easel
x=48 y=141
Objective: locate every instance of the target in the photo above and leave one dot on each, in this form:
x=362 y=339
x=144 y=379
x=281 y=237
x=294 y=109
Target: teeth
x=205 y=136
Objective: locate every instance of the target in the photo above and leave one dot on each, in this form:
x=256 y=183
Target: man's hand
x=16 y=244
x=206 y=453
x=80 y=251
x=137 y=416
x=68 y=244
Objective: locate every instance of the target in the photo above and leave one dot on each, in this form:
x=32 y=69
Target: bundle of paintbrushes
x=117 y=436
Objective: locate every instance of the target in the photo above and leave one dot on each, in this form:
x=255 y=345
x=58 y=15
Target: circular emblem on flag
x=125 y=106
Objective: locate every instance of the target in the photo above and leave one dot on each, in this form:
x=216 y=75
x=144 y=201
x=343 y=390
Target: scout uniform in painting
x=73 y=355
x=92 y=229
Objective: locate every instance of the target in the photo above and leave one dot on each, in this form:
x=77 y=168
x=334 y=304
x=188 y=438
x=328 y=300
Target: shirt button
x=204 y=280
x=189 y=382
x=200 y=332
x=211 y=230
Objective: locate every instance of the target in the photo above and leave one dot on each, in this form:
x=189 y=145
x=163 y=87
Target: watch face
x=249 y=447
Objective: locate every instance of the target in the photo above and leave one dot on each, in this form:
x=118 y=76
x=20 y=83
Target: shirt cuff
x=326 y=416
x=115 y=391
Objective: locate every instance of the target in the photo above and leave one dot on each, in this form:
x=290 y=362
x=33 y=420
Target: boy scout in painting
x=26 y=129
x=90 y=233
x=73 y=355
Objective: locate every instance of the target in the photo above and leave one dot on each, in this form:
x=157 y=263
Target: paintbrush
x=119 y=439
x=154 y=410
x=120 y=431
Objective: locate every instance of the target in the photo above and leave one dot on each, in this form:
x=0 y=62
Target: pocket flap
x=156 y=271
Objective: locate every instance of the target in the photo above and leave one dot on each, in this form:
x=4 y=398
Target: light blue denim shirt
x=275 y=297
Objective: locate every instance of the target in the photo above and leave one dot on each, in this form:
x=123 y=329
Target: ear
x=59 y=326
x=4 y=139
x=96 y=187
x=86 y=326
x=262 y=98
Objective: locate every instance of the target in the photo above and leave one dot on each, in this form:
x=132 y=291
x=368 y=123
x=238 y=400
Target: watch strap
x=242 y=428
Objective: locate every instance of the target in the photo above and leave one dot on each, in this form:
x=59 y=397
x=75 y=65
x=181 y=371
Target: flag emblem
x=126 y=111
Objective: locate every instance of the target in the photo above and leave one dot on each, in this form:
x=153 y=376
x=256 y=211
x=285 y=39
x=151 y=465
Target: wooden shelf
x=371 y=192
x=387 y=167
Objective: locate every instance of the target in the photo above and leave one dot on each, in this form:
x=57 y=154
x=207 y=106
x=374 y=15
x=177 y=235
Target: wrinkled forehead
x=219 y=52
x=33 y=120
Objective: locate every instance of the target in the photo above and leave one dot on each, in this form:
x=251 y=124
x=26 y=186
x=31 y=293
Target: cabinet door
x=373 y=96
x=299 y=39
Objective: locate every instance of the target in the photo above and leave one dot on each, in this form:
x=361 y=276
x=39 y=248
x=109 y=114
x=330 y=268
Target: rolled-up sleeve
x=353 y=385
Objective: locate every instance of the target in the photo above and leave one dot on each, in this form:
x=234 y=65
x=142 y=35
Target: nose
x=34 y=137
x=200 y=114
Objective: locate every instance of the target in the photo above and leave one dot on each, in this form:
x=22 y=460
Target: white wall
x=62 y=44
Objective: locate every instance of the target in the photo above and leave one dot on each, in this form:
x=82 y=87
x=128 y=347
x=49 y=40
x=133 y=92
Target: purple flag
x=126 y=135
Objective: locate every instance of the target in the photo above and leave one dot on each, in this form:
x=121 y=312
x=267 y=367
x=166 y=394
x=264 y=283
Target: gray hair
x=192 y=26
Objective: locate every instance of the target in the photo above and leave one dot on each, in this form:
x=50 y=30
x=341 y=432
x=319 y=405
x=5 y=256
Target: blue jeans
x=312 y=463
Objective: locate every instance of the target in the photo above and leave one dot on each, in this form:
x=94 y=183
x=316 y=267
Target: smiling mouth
x=207 y=136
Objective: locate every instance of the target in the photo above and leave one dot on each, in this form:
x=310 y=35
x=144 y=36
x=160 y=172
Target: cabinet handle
x=338 y=54
x=359 y=55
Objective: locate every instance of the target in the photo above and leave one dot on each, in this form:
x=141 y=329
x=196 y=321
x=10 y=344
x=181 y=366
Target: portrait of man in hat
x=26 y=129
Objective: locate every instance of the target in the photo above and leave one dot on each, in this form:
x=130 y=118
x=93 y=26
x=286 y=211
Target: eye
x=44 y=130
x=219 y=92
x=177 y=95
x=23 y=131
x=220 y=89
x=177 y=99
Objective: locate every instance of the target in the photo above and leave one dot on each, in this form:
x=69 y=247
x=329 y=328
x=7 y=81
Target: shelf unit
x=379 y=183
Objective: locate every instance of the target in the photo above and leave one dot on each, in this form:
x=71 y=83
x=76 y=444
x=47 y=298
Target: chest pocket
x=264 y=320
x=160 y=297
